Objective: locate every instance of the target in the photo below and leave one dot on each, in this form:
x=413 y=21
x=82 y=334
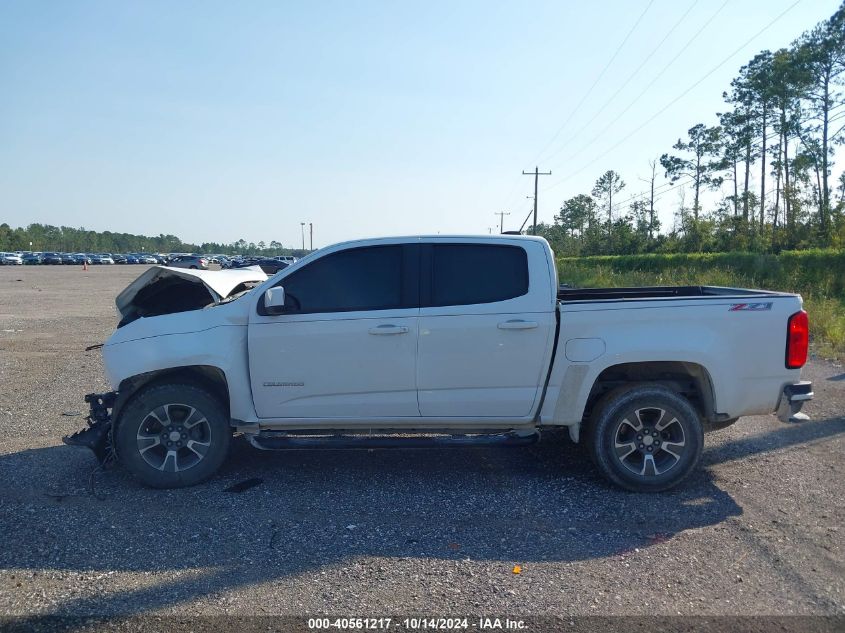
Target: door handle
x=388 y=328
x=517 y=324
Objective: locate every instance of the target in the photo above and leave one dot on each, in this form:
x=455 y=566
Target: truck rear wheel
x=645 y=438
x=170 y=436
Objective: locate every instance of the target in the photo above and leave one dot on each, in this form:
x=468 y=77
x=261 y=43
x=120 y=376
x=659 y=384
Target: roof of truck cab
x=401 y=239
x=439 y=236
x=427 y=238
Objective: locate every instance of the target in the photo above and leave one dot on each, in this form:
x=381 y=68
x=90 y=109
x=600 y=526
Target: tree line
x=65 y=239
x=766 y=164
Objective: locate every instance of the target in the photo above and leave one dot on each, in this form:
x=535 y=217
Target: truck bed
x=567 y=294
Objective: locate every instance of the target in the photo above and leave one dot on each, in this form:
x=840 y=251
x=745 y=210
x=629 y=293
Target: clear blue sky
x=227 y=120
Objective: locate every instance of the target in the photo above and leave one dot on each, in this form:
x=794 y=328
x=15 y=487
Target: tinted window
x=464 y=274
x=355 y=279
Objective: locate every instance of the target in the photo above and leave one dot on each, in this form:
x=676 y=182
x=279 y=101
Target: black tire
x=666 y=448
x=171 y=436
x=193 y=267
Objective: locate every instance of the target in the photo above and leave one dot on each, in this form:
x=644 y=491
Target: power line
x=509 y=197
x=755 y=146
x=676 y=99
x=596 y=81
x=690 y=179
x=643 y=63
x=653 y=80
x=684 y=181
x=687 y=180
x=634 y=197
x=657 y=193
x=513 y=189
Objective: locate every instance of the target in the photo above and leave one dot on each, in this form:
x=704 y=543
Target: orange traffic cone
x=84 y=264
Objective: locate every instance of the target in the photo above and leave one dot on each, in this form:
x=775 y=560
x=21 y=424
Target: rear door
x=345 y=347
x=485 y=328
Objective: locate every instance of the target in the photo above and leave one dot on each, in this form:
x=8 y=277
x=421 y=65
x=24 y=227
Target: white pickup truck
x=436 y=341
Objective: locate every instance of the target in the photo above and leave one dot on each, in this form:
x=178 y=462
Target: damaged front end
x=162 y=301
x=163 y=290
x=97 y=436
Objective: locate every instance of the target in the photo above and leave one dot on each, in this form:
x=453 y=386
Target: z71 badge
x=751 y=307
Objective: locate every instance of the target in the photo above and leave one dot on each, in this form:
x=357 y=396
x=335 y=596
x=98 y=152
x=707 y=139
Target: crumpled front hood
x=163 y=290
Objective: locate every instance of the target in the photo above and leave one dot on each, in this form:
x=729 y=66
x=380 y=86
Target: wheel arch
x=691 y=380
x=211 y=378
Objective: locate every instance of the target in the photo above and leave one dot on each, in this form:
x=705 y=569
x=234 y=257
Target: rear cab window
x=467 y=274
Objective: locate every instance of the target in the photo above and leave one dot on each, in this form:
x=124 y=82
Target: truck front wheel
x=645 y=438
x=170 y=436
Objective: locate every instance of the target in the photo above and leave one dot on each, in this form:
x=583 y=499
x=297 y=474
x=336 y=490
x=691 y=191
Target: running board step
x=281 y=440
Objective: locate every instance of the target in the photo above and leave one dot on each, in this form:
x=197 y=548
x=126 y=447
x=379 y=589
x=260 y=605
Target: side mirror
x=274 y=300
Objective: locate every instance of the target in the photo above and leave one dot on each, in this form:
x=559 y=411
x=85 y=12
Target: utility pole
x=302 y=224
x=311 y=232
x=502 y=215
x=536 y=173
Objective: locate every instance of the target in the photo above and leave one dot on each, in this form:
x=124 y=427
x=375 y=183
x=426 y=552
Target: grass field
x=819 y=276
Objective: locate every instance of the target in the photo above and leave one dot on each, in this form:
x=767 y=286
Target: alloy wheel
x=174 y=437
x=649 y=442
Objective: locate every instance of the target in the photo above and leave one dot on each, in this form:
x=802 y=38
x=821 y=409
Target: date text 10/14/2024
x=417 y=623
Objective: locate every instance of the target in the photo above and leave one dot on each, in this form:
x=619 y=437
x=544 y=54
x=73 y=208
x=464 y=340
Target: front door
x=345 y=346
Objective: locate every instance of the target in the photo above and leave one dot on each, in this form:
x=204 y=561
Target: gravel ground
x=758 y=530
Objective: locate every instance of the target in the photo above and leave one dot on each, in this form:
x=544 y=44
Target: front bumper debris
x=792 y=399
x=97 y=436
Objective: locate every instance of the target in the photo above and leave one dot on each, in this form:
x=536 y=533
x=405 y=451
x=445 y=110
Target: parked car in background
x=10 y=259
x=147 y=259
x=82 y=258
x=223 y=261
x=31 y=259
x=68 y=259
x=189 y=261
x=103 y=258
x=52 y=258
x=119 y=258
x=288 y=259
x=267 y=264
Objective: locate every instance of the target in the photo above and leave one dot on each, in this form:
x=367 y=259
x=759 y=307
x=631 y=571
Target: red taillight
x=797 y=340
